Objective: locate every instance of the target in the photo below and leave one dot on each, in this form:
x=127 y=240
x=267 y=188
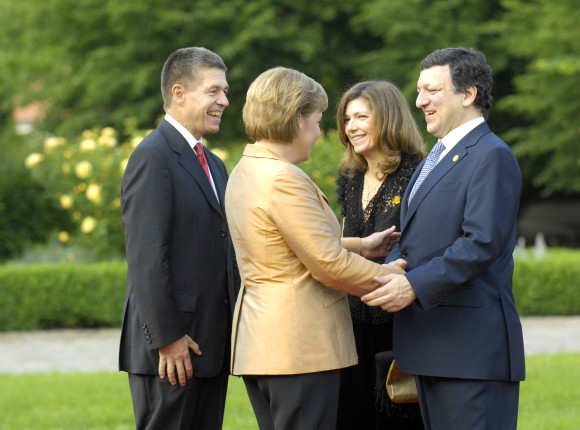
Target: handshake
x=394 y=292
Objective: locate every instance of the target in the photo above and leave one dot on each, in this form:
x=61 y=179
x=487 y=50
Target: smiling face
x=444 y=109
x=359 y=127
x=202 y=102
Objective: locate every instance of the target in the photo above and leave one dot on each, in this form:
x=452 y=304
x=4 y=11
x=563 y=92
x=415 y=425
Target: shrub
x=323 y=166
x=91 y=295
x=68 y=295
x=27 y=214
x=550 y=285
x=83 y=177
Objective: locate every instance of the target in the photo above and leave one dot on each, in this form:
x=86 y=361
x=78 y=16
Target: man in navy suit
x=182 y=278
x=456 y=325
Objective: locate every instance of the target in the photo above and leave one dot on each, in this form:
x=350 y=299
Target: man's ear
x=469 y=95
x=178 y=93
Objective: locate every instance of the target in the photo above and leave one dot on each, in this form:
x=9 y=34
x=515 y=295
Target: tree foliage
x=411 y=29
x=546 y=34
x=97 y=63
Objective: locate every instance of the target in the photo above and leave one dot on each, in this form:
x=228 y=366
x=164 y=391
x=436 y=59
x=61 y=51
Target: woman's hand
x=397 y=267
x=394 y=293
x=380 y=243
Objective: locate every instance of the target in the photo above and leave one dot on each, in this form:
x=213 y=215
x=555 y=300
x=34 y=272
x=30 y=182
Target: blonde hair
x=395 y=128
x=276 y=99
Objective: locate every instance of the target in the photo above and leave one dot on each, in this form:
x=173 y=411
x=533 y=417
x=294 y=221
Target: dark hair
x=182 y=67
x=468 y=67
x=395 y=129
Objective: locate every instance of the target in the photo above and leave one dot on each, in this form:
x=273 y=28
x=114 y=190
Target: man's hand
x=380 y=243
x=396 y=293
x=175 y=355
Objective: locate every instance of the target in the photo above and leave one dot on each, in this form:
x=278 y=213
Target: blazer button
x=223 y=233
x=226 y=302
x=404 y=253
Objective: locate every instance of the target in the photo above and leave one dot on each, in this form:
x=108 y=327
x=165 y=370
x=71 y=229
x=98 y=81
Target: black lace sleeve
x=341 y=183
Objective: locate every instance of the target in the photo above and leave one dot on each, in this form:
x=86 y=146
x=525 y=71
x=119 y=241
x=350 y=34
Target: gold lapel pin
x=456 y=158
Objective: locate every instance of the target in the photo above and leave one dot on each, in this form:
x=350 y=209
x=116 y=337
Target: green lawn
x=549 y=399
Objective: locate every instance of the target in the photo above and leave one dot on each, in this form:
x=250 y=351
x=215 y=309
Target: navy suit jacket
x=182 y=277
x=458 y=236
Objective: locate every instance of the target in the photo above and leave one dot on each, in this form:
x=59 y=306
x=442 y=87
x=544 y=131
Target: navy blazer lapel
x=189 y=161
x=405 y=203
x=452 y=158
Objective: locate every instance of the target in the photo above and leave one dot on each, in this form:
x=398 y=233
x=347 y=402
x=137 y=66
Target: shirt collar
x=192 y=141
x=455 y=135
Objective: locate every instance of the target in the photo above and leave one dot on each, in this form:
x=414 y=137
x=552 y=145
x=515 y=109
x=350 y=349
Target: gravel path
x=96 y=350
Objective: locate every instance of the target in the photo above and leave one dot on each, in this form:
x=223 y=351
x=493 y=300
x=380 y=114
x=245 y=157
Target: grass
x=90 y=401
x=550 y=396
x=101 y=401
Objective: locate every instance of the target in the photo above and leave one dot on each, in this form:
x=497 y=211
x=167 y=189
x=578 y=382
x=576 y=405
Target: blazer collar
x=258 y=151
x=448 y=162
x=189 y=161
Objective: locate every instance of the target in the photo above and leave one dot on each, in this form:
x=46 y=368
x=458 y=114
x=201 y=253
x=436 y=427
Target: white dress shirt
x=192 y=142
x=457 y=134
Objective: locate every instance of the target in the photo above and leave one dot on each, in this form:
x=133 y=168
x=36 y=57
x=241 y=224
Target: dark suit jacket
x=181 y=277
x=458 y=236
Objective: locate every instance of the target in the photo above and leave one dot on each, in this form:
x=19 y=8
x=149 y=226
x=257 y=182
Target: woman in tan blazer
x=292 y=330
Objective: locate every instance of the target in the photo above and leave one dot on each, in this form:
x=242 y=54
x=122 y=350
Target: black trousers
x=158 y=405
x=306 y=401
x=464 y=404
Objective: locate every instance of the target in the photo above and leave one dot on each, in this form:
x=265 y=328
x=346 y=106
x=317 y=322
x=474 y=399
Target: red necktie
x=199 y=151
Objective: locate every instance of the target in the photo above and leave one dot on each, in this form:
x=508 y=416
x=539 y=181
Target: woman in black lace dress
x=383 y=148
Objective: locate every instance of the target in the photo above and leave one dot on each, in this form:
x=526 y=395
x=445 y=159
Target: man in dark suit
x=182 y=279
x=456 y=324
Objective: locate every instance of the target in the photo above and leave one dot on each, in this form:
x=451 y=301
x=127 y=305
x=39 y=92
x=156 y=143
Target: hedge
x=68 y=295
x=72 y=295
x=548 y=285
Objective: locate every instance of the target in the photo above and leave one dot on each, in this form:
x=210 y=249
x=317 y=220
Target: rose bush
x=84 y=176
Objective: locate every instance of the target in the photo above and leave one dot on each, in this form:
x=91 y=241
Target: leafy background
x=94 y=65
